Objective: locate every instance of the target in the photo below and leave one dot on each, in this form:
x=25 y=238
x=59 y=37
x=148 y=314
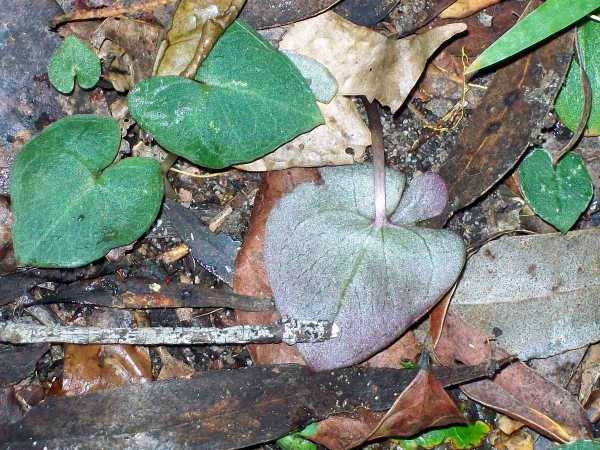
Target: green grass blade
x=549 y=18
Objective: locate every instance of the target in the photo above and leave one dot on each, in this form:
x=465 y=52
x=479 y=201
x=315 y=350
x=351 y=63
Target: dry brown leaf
x=590 y=374
x=465 y=8
x=423 y=404
x=172 y=367
x=517 y=390
x=518 y=441
x=326 y=145
x=89 y=368
x=250 y=277
x=405 y=349
x=128 y=48
x=196 y=26
x=507 y=425
x=363 y=61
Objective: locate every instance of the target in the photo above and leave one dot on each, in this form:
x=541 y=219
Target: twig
x=585 y=111
x=198 y=175
x=378 y=153
x=144 y=293
x=289 y=331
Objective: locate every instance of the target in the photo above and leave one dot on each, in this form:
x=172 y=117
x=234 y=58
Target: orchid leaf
x=326 y=260
x=557 y=194
x=248 y=100
x=73 y=60
x=71 y=205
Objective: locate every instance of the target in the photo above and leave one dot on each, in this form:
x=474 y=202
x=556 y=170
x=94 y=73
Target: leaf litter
x=127 y=46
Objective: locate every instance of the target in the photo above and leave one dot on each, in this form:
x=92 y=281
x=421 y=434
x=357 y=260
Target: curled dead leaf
x=196 y=26
x=465 y=8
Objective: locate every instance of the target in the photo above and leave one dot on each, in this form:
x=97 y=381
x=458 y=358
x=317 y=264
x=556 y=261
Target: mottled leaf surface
x=558 y=194
x=248 y=100
x=570 y=99
x=325 y=260
x=539 y=295
x=73 y=60
x=69 y=206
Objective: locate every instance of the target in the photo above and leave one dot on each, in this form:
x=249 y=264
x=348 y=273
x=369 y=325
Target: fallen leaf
x=490 y=144
x=570 y=99
x=422 y=404
x=459 y=437
x=522 y=440
x=517 y=390
x=250 y=99
x=409 y=16
x=90 y=368
x=464 y=8
x=73 y=60
x=250 y=276
x=75 y=152
x=19 y=361
x=590 y=374
x=507 y=425
x=128 y=47
x=274 y=13
x=172 y=367
x=342 y=139
x=333 y=265
x=363 y=61
x=196 y=26
x=538 y=295
x=404 y=350
x=558 y=194
x=6 y=221
x=366 y=13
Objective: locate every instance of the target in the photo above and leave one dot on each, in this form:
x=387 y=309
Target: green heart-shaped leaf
x=70 y=207
x=249 y=100
x=558 y=195
x=73 y=60
x=569 y=102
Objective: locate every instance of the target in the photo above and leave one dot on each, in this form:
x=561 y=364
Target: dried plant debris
x=359 y=58
x=325 y=260
x=538 y=295
x=195 y=27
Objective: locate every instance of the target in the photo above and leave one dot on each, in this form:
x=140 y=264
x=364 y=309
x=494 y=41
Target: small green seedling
x=73 y=60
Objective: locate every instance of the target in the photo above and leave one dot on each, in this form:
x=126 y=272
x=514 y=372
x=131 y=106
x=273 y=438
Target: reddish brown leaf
x=90 y=368
x=423 y=404
x=404 y=349
x=517 y=391
x=250 y=277
x=507 y=120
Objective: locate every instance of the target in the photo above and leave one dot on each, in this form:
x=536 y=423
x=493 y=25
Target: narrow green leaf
x=70 y=205
x=570 y=99
x=558 y=195
x=459 y=437
x=249 y=100
x=73 y=60
x=546 y=20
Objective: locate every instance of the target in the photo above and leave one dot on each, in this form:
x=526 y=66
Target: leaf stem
x=378 y=153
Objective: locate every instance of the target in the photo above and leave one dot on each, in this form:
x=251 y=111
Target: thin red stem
x=378 y=153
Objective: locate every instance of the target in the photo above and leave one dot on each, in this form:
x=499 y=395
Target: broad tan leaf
x=363 y=61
